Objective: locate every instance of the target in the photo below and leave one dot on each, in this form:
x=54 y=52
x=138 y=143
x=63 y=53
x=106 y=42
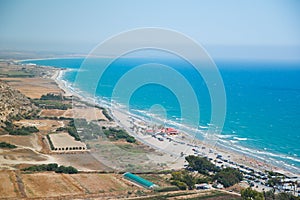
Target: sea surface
x=262 y=100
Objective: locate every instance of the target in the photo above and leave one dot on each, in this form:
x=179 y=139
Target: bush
x=105 y=113
x=179 y=184
x=50 y=142
x=13 y=130
x=201 y=164
x=52 y=167
x=66 y=170
x=274 y=181
x=203 y=180
x=185 y=177
x=284 y=196
x=130 y=139
x=51 y=96
x=7 y=145
x=71 y=129
x=118 y=134
x=248 y=193
x=228 y=176
x=167 y=189
x=51 y=104
x=43 y=167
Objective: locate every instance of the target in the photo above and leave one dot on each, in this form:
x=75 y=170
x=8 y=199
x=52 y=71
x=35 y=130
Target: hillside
x=13 y=104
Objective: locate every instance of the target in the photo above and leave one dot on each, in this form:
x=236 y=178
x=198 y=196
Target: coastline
x=47 y=58
x=172 y=149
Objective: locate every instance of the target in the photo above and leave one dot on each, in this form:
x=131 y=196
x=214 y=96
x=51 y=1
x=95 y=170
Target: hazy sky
x=80 y=25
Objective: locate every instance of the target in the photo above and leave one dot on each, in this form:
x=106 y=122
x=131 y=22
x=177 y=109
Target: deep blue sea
x=262 y=99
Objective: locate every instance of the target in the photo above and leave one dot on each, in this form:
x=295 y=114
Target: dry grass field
x=44 y=125
x=101 y=183
x=8 y=186
x=63 y=141
x=17 y=185
x=33 y=87
x=20 y=155
x=83 y=161
x=30 y=141
x=50 y=185
x=88 y=113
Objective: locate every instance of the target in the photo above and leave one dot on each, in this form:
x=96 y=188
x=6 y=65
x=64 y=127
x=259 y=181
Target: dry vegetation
x=49 y=185
x=94 y=183
x=88 y=113
x=45 y=126
x=63 y=141
x=83 y=161
x=16 y=185
x=30 y=141
x=33 y=87
x=8 y=186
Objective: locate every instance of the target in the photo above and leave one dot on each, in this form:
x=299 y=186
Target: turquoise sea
x=262 y=97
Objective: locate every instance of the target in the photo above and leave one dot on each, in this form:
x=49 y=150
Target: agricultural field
x=65 y=142
x=30 y=141
x=82 y=161
x=16 y=156
x=44 y=125
x=88 y=113
x=94 y=183
x=16 y=185
x=8 y=186
x=33 y=87
x=49 y=185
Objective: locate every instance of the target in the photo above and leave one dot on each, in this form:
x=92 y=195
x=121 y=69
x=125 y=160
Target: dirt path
x=20 y=185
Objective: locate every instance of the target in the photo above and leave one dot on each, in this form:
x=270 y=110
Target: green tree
x=185 y=177
x=189 y=180
x=7 y=145
x=270 y=195
x=200 y=164
x=274 y=181
x=179 y=184
x=52 y=167
x=66 y=170
x=249 y=194
x=286 y=196
x=228 y=176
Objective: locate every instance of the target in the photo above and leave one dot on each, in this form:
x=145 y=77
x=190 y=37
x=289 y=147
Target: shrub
x=179 y=184
x=167 y=189
x=51 y=104
x=51 y=96
x=66 y=170
x=228 y=176
x=200 y=164
x=284 y=196
x=52 y=167
x=105 y=113
x=50 y=142
x=7 y=145
x=184 y=177
x=117 y=134
x=12 y=130
x=248 y=193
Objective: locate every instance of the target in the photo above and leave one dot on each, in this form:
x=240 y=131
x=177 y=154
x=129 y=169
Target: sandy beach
x=175 y=148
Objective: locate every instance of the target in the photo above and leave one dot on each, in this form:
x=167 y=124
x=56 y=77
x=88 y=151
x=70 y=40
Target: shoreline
x=47 y=58
x=206 y=150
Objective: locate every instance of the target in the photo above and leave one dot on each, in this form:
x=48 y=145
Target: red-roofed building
x=169 y=131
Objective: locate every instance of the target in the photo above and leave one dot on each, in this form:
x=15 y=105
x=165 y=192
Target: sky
x=256 y=28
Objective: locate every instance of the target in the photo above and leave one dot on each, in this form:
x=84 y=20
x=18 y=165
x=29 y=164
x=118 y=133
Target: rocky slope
x=13 y=104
